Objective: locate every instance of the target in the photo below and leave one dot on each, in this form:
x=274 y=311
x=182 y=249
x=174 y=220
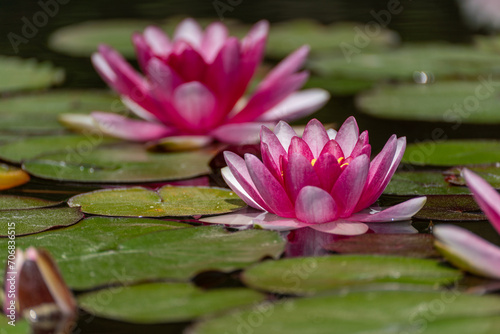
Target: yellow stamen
x=346 y=164
x=340 y=160
x=313 y=161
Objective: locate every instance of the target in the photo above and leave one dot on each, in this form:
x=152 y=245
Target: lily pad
x=422 y=183
x=413 y=245
x=11 y=202
x=453 y=152
x=21 y=326
x=100 y=251
x=27 y=74
x=165 y=302
x=420 y=63
x=381 y=312
x=454 y=102
x=75 y=146
x=24 y=222
x=286 y=37
x=11 y=177
x=491 y=173
x=124 y=163
x=167 y=201
x=38 y=113
x=315 y=274
x=450 y=208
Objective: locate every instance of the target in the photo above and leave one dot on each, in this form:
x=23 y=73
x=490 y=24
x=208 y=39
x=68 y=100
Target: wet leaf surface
x=450 y=208
x=165 y=302
x=315 y=274
x=422 y=183
x=12 y=202
x=491 y=173
x=167 y=201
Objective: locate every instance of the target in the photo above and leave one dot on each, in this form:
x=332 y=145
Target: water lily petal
x=362 y=146
x=315 y=206
x=350 y=184
x=299 y=146
x=341 y=227
x=243 y=182
x=468 y=251
x=328 y=170
x=486 y=196
x=299 y=173
x=239 y=133
x=271 y=191
x=214 y=38
x=332 y=133
x=284 y=133
x=315 y=136
x=195 y=103
x=189 y=31
x=348 y=135
x=158 y=41
x=401 y=211
x=130 y=129
x=142 y=50
x=297 y=105
x=164 y=80
x=187 y=61
x=274 y=145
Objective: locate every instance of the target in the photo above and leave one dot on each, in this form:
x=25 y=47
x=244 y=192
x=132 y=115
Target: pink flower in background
x=194 y=85
x=324 y=180
x=465 y=249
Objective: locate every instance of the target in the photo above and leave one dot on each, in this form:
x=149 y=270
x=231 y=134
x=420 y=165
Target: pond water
x=440 y=23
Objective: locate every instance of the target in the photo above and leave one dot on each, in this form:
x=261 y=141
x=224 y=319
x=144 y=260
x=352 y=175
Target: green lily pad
x=11 y=202
x=100 y=251
x=38 y=113
x=165 y=302
x=452 y=152
x=21 y=326
x=381 y=312
x=74 y=146
x=414 y=245
x=491 y=173
x=27 y=74
x=23 y=222
x=124 y=163
x=315 y=274
x=450 y=208
x=286 y=37
x=453 y=102
x=422 y=183
x=167 y=201
x=420 y=63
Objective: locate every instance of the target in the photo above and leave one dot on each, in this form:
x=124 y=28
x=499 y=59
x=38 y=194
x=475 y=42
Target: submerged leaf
x=167 y=201
x=450 y=208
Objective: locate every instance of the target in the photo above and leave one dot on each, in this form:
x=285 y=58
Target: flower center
x=313 y=161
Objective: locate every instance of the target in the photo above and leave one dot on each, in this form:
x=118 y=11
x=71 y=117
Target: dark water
x=419 y=21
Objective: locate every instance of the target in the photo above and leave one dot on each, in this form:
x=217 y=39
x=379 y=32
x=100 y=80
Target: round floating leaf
x=74 y=146
x=491 y=173
x=120 y=163
x=27 y=74
x=452 y=152
x=450 y=208
x=454 y=102
x=422 y=183
x=11 y=177
x=100 y=251
x=38 y=113
x=286 y=37
x=315 y=274
x=420 y=63
x=10 y=202
x=165 y=302
x=414 y=245
x=167 y=201
x=381 y=312
x=24 y=222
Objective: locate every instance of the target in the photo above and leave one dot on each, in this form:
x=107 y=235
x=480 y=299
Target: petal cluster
x=323 y=178
x=465 y=249
x=195 y=84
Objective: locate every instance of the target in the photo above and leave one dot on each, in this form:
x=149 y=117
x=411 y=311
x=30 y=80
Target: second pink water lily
x=196 y=85
x=324 y=180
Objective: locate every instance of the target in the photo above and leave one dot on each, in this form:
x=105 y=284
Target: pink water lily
x=195 y=83
x=324 y=180
x=465 y=249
